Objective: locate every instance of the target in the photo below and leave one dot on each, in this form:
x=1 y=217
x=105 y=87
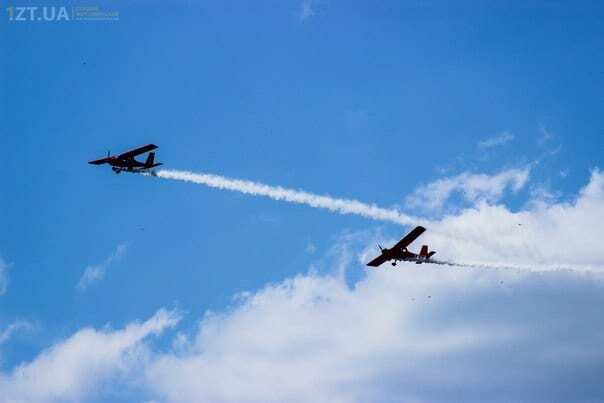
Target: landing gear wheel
x=393 y=263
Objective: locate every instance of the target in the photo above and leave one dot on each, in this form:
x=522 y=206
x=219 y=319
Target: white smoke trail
x=538 y=268
x=349 y=206
x=342 y=206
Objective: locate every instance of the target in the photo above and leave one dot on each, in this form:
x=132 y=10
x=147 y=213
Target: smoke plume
x=342 y=206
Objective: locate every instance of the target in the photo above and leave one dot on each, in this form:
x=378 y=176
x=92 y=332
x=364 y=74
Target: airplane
x=399 y=251
x=126 y=161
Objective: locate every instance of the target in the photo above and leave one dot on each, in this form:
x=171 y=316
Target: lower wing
x=377 y=261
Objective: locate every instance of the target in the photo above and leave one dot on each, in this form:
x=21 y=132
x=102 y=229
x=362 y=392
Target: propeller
x=380 y=246
x=108 y=153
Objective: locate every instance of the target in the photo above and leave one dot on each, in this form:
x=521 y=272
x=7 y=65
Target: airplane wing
x=410 y=237
x=137 y=151
x=377 y=261
x=98 y=162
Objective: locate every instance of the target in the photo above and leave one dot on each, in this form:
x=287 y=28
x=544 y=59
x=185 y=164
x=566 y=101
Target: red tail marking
x=424 y=251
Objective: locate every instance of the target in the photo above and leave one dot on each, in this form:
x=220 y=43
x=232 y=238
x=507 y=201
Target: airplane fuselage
x=124 y=163
x=403 y=256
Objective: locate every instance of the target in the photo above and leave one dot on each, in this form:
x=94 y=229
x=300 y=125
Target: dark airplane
x=126 y=162
x=400 y=252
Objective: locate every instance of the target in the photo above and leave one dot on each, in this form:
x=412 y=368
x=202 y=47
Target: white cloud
x=414 y=333
x=14 y=327
x=474 y=188
x=3 y=276
x=543 y=234
x=498 y=140
x=97 y=272
x=74 y=369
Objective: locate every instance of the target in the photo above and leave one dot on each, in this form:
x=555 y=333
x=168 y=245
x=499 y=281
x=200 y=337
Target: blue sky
x=361 y=100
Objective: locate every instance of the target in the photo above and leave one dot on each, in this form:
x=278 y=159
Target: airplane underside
x=417 y=261
x=140 y=170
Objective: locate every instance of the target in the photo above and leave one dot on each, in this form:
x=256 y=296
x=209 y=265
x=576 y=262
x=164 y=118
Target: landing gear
x=116 y=170
x=393 y=263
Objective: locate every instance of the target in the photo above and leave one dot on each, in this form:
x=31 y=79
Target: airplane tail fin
x=150 y=160
x=424 y=251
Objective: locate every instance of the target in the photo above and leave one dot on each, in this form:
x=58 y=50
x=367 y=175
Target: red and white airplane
x=399 y=251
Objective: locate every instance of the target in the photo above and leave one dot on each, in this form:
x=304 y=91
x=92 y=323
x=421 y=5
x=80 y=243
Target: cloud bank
x=414 y=334
x=542 y=235
x=420 y=333
x=76 y=368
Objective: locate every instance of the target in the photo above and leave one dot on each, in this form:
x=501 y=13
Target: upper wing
x=137 y=151
x=377 y=261
x=99 y=162
x=410 y=237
